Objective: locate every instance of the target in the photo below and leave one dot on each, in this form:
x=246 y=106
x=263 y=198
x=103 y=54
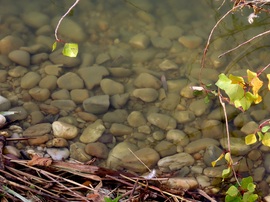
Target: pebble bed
x=128 y=90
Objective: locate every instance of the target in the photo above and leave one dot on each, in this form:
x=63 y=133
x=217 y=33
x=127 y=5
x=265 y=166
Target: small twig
x=205 y=195
x=2 y=144
x=59 y=22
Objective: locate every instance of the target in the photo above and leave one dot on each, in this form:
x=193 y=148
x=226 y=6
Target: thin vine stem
x=59 y=22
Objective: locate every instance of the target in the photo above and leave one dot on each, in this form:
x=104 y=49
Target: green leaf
x=266 y=139
x=54 y=46
x=233 y=191
x=226 y=172
x=249 y=197
x=245 y=182
x=260 y=135
x=70 y=49
x=265 y=129
x=250 y=139
x=229 y=198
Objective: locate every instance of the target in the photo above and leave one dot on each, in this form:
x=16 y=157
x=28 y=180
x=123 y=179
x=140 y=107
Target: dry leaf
x=40 y=161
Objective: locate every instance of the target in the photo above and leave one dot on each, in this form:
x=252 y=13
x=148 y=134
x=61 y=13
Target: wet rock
x=87 y=116
x=136 y=119
x=18 y=71
x=266 y=162
x=165 y=148
x=79 y=95
x=92 y=132
x=54 y=70
x=146 y=94
x=168 y=65
x=141 y=56
x=58 y=154
x=120 y=129
x=250 y=127
x=20 y=57
x=39 y=94
x=92 y=75
x=110 y=87
x=119 y=101
x=212 y=153
x=201 y=144
x=97 y=149
x=254 y=155
x=67 y=105
x=184 y=116
x=62 y=94
x=35 y=19
x=190 y=41
x=97 y=104
x=42 y=139
x=120 y=72
x=8 y=149
x=102 y=58
x=199 y=107
x=64 y=81
x=5 y=104
x=214 y=171
x=77 y=152
x=38 y=130
x=161 y=42
x=140 y=41
x=118 y=152
x=187 y=91
x=20 y=114
x=146 y=80
x=10 y=43
x=58 y=58
x=162 y=121
x=258 y=174
x=175 y=162
x=116 y=116
x=48 y=82
x=212 y=129
x=171 y=32
x=30 y=80
x=185 y=183
x=57 y=142
x=147 y=155
x=77 y=34
x=64 y=130
x=237 y=145
x=177 y=137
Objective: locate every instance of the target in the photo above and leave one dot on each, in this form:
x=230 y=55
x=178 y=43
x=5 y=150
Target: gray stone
x=147 y=155
x=79 y=95
x=165 y=148
x=146 y=94
x=111 y=87
x=116 y=116
x=190 y=41
x=57 y=57
x=175 y=162
x=250 y=127
x=120 y=129
x=201 y=144
x=20 y=114
x=57 y=142
x=185 y=183
x=161 y=42
x=77 y=152
x=97 y=104
x=58 y=154
x=64 y=130
x=136 y=119
x=5 y=104
x=30 y=80
x=199 y=107
x=92 y=75
x=18 y=71
x=168 y=65
x=237 y=145
x=162 y=121
x=38 y=130
x=48 y=82
x=171 y=32
x=214 y=171
x=212 y=129
x=118 y=101
x=177 y=137
x=258 y=174
x=62 y=94
x=266 y=162
x=171 y=101
x=39 y=94
x=212 y=153
x=97 y=149
x=70 y=81
x=67 y=105
x=140 y=41
x=184 y=116
x=20 y=57
x=146 y=80
x=10 y=43
x=35 y=19
x=92 y=132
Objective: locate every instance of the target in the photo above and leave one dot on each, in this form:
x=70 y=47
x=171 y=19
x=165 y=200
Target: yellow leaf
x=250 y=139
x=266 y=139
x=268 y=76
x=218 y=159
x=237 y=80
x=254 y=81
x=228 y=157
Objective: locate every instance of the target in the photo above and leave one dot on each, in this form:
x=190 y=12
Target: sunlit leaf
x=233 y=191
x=266 y=139
x=228 y=157
x=255 y=82
x=70 y=49
x=237 y=80
x=250 y=139
x=250 y=197
x=265 y=129
x=268 y=76
x=260 y=135
x=218 y=159
x=246 y=181
x=54 y=46
x=226 y=172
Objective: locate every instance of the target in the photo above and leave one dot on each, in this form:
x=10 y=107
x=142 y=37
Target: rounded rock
x=10 y=43
x=97 y=149
x=30 y=80
x=146 y=80
x=190 y=41
x=64 y=130
x=146 y=94
x=97 y=104
x=111 y=87
x=58 y=154
x=39 y=94
x=38 y=130
x=20 y=57
x=162 y=121
x=70 y=81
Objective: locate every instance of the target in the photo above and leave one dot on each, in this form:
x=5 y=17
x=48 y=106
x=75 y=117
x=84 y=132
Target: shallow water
x=104 y=40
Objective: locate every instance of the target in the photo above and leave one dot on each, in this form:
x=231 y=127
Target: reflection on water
x=129 y=88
